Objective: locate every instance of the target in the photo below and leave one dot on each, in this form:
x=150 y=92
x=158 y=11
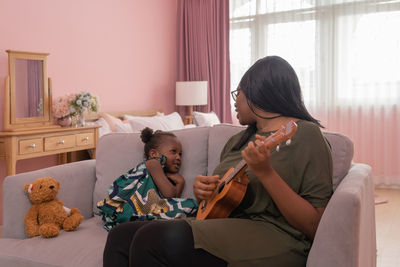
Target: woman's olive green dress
x=256 y=233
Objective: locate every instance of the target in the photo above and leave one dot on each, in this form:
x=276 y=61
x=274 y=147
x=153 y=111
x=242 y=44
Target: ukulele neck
x=284 y=133
x=240 y=167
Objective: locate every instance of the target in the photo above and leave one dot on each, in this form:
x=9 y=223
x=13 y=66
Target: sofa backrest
x=202 y=146
x=219 y=135
x=342 y=155
x=342 y=149
x=119 y=152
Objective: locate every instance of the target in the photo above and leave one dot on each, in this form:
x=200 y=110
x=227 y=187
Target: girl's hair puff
x=152 y=139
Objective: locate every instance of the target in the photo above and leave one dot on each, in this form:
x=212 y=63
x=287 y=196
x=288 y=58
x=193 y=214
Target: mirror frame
x=11 y=122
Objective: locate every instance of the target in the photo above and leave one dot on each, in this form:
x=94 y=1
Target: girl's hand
x=167 y=189
x=257 y=155
x=204 y=186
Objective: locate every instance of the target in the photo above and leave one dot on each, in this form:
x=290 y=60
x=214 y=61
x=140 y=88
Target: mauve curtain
x=203 y=51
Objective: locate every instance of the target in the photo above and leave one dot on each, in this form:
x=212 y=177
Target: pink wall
x=123 y=51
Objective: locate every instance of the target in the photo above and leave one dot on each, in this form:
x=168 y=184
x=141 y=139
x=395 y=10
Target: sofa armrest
x=76 y=191
x=346 y=235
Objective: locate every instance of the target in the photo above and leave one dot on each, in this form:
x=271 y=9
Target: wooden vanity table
x=16 y=145
x=28 y=130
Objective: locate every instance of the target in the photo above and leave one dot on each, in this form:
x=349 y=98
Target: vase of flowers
x=80 y=104
x=65 y=121
x=61 y=110
x=71 y=108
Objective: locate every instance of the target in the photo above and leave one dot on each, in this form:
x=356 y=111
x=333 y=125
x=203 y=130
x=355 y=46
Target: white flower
x=83 y=102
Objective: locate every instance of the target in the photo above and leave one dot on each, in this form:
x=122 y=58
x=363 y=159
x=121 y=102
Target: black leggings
x=155 y=243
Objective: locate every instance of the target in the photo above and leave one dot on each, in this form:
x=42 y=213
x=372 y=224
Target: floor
x=388 y=227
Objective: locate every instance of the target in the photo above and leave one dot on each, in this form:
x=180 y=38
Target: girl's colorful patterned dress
x=134 y=196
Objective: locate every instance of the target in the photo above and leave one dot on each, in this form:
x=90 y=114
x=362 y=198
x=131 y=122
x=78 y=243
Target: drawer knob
x=62 y=142
x=86 y=138
x=32 y=145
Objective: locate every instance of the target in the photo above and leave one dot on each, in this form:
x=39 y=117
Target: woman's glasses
x=235 y=94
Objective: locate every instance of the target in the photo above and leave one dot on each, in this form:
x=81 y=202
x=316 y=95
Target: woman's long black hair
x=271 y=84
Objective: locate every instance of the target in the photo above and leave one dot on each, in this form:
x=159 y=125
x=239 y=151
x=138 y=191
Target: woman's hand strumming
x=204 y=186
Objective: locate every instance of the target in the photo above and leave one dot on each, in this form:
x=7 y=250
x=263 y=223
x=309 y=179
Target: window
x=344 y=52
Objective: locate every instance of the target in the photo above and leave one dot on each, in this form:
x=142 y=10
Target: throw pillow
x=123 y=127
x=104 y=129
x=111 y=120
x=205 y=119
x=138 y=125
x=169 y=122
x=172 y=121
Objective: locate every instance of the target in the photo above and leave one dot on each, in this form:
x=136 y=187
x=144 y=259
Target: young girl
x=152 y=189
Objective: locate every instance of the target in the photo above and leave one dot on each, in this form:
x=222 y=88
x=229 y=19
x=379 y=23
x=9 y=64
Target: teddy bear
x=48 y=215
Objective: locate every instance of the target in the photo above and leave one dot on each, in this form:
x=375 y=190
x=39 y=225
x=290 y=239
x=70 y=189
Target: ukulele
x=232 y=188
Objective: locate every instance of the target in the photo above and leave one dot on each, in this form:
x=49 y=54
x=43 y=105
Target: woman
x=288 y=191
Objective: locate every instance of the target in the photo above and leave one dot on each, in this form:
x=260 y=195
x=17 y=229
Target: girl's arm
x=179 y=182
x=296 y=210
x=166 y=188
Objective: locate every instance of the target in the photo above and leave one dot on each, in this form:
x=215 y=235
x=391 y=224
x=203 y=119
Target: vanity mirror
x=27 y=92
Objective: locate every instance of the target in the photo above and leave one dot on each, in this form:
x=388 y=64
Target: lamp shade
x=191 y=93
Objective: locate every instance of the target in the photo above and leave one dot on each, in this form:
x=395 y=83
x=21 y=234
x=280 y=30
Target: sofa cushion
x=194 y=160
x=83 y=247
x=219 y=135
x=342 y=155
x=119 y=152
x=74 y=193
x=342 y=149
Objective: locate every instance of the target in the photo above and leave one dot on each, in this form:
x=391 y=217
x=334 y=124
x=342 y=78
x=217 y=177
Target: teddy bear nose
x=51 y=186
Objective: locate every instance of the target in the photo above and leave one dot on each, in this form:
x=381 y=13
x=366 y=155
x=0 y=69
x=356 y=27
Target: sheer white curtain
x=347 y=56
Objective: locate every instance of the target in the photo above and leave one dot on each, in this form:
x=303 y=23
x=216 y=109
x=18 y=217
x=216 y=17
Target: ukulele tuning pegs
x=277 y=148
x=288 y=142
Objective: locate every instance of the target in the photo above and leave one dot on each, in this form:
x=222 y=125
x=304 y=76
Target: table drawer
x=84 y=139
x=30 y=146
x=59 y=142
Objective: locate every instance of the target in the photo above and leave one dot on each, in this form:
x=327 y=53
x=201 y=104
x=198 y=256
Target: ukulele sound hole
x=221 y=187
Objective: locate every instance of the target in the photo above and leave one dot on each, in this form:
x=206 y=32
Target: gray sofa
x=345 y=236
